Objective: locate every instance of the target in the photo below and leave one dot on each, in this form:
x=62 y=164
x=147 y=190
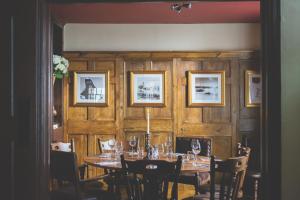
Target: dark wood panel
x=249 y=125
x=249 y=117
x=244 y=111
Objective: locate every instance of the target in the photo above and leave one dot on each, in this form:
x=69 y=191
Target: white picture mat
x=195 y=96
x=254 y=89
x=157 y=80
x=98 y=81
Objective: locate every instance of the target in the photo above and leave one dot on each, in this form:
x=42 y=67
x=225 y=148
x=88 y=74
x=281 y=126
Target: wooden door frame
x=270 y=109
x=271 y=105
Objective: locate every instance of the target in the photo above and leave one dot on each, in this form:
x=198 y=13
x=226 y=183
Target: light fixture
x=177 y=7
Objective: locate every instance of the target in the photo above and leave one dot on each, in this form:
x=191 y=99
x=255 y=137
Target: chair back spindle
x=230 y=171
x=155 y=177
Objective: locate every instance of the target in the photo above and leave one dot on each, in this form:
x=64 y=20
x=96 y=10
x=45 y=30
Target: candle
x=148 y=121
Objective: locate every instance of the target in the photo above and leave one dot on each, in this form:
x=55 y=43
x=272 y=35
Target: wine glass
x=132 y=142
x=196 y=148
x=119 y=147
x=168 y=144
x=111 y=144
x=155 y=152
x=140 y=150
x=160 y=149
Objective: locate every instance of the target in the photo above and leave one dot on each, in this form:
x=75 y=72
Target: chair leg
x=196 y=189
x=197 y=184
x=255 y=189
x=117 y=185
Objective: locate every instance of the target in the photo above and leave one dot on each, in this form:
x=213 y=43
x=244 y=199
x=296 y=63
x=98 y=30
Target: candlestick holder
x=148 y=145
x=148 y=135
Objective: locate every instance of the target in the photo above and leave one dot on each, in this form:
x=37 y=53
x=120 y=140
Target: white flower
x=65 y=70
x=56 y=59
x=60 y=66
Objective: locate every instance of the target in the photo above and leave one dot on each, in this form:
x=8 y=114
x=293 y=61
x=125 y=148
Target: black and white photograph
x=90 y=88
x=252 y=88
x=206 y=88
x=147 y=88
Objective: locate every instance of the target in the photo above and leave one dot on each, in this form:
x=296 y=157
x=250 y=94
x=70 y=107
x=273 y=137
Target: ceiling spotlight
x=187 y=5
x=178 y=7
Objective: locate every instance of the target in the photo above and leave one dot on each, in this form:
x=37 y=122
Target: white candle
x=148 y=121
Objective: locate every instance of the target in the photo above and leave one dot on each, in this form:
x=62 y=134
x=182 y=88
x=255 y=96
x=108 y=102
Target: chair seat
x=191 y=178
x=87 y=185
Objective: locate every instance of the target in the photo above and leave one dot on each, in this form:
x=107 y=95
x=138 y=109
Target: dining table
x=112 y=162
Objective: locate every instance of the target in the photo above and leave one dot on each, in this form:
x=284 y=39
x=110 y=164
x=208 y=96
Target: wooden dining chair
x=242 y=151
x=150 y=178
x=64 y=169
x=230 y=173
x=85 y=181
x=112 y=177
x=183 y=144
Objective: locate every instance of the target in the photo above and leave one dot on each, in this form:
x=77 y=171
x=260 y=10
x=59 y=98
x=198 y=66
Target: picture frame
x=206 y=88
x=253 y=90
x=91 y=88
x=147 y=88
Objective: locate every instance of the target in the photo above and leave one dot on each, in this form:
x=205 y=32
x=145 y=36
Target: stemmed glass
x=196 y=148
x=119 y=147
x=112 y=143
x=132 y=142
x=168 y=144
x=140 y=150
x=155 y=152
x=161 y=150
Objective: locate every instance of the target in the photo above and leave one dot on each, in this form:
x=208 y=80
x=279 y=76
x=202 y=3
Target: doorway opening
x=73 y=48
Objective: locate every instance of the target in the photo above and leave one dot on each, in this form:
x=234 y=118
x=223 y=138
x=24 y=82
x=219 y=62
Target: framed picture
x=252 y=88
x=147 y=88
x=91 y=88
x=206 y=88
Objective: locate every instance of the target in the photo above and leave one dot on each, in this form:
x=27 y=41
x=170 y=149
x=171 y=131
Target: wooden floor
x=184 y=191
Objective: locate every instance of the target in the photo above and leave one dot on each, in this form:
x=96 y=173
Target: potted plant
x=60 y=70
x=60 y=67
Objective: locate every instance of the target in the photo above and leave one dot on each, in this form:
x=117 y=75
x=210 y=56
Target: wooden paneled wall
x=86 y=124
x=249 y=122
